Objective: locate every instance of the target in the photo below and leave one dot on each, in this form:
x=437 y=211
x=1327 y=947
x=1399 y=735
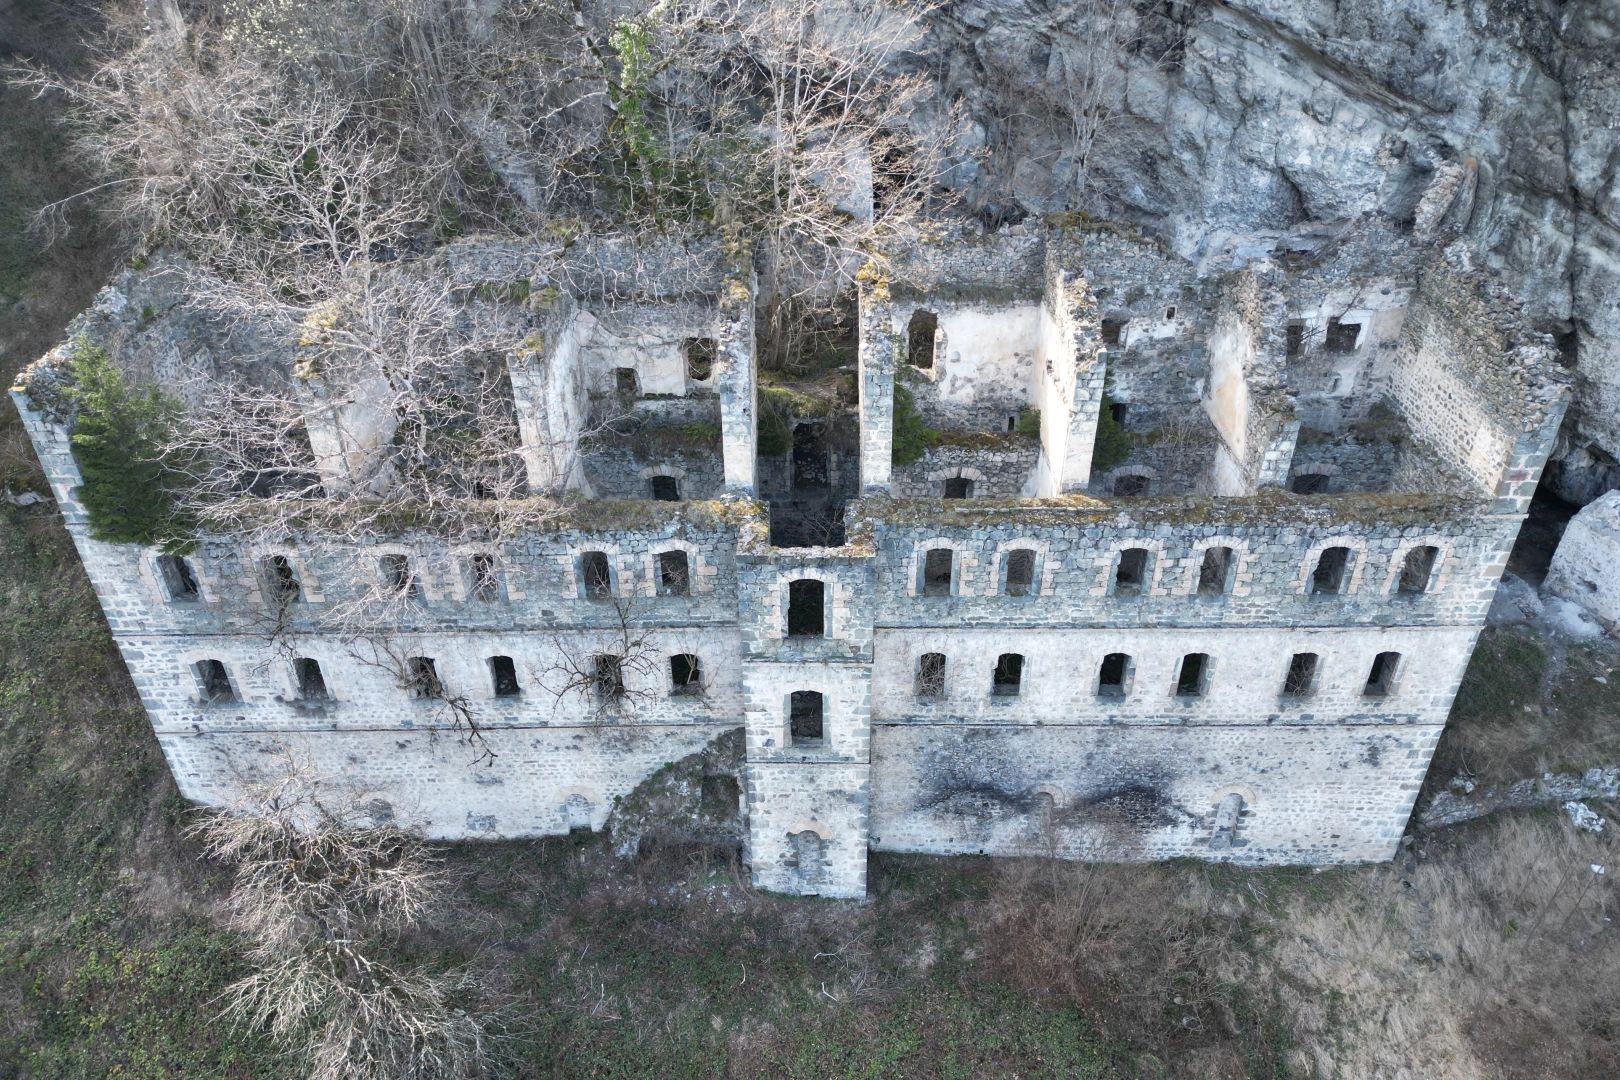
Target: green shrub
x=911 y=436
x=1029 y=423
x=118 y=437
x=1111 y=447
x=775 y=422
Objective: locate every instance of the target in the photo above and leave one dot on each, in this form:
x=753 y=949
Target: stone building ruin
x=1237 y=638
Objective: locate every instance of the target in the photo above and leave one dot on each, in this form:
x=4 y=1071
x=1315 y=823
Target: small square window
x=1009 y=676
x=178 y=580
x=422 y=677
x=686 y=675
x=958 y=487
x=664 y=488
x=1341 y=337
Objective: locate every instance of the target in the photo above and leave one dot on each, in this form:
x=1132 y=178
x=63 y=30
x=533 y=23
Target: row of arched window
x=605 y=675
x=1116 y=674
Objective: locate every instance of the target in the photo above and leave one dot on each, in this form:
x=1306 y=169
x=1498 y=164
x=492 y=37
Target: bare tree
x=325 y=882
x=607 y=671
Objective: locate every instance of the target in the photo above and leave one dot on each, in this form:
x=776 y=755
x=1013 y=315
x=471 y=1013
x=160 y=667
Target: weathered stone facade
x=1209 y=665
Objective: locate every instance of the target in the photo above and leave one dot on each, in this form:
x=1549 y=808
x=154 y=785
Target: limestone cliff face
x=1247 y=125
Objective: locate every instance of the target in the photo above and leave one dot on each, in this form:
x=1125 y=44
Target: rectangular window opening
x=931 y=675
x=1296 y=338
x=598 y=577
x=503 y=673
x=423 y=676
x=664 y=488
x=921 y=333
x=674 y=579
x=1301 y=678
x=1381 y=679
x=607 y=676
x=807 y=608
x=1020 y=572
x=1416 y=570
x=1112 y=676
x=686 y=675
x=1111 y=330
x=1119 y=410
x=806 y=723
x=178 y=580
x=1131 y=575
x=1341 y=337
x=311 y=683
x=1328 y=579
x=626 y=383
x=700 y=354
x=397 y=577
x=937 y=572
x=215 y=682
x=958 y=487
x=1215 y=571
x=1194 y=677
x=486 y=582
x=1009 y=675
x=280 y=580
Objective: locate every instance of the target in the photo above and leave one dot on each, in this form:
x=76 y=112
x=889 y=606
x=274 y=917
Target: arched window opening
x=920 y=336
x=664 y=488
x=686 y=675
x=1328 y=578
x=806 y=723
x=422 y=677
x=807 y=608
x=1130 y=485
x=1009 y=676
x=578 y=810
x=1131 y=574
x=214 y=682
x=486 y=584
x=937 y=572
x=607 y=676
x=1193 y=679
x=1301 y=678
x=958 y=487
x=674 y=576
x=1113 y=678
x=397 y=577
x=178 y=580
x=806 y=860
x=931 y=676
x=1310 y=483
x=1381 y=679
x=503 y=673
x=311 y=683
x=1214 y=574
x=700 y=354
x=1417 y=570
x=280 y=581
x=1020 y=572
x=598 y=578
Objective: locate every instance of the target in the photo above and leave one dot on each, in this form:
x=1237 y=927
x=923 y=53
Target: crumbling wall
x=999 y=467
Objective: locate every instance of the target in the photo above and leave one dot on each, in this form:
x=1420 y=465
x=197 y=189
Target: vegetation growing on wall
x=1112 y=447
x=912 y=437
x=119 y=440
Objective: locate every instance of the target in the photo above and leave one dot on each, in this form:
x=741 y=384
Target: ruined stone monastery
x=1239 y=640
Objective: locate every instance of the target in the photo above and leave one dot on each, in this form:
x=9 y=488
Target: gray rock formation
x=1240 y=128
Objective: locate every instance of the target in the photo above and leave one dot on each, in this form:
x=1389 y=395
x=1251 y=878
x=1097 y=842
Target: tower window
x=1215 y=571
x=280 y=580
x=397 y=577
x=931 y=676
x=1009 y=676
x=486 y=584
x=1193 y=679
x=607 y=676
x=805 y=718
x=686 y=675
x=1113 y=676
x=665 y=488
x=214 y=682
x=1341 y=337
x=1130 y=485
x=1020 y=571
x=700 y=353
x=1328 y=579
x=1131 y=573
x=807 y=608
x=423 y=676
x=1381 y=679
x=920 y=335
x=958 y=487
x=1417 y=569
x=178 y=580
x=937 y=572
x=503 y=673
x=311 y=683
x=1301 y=678
x=593 y=568
x=674 y=579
